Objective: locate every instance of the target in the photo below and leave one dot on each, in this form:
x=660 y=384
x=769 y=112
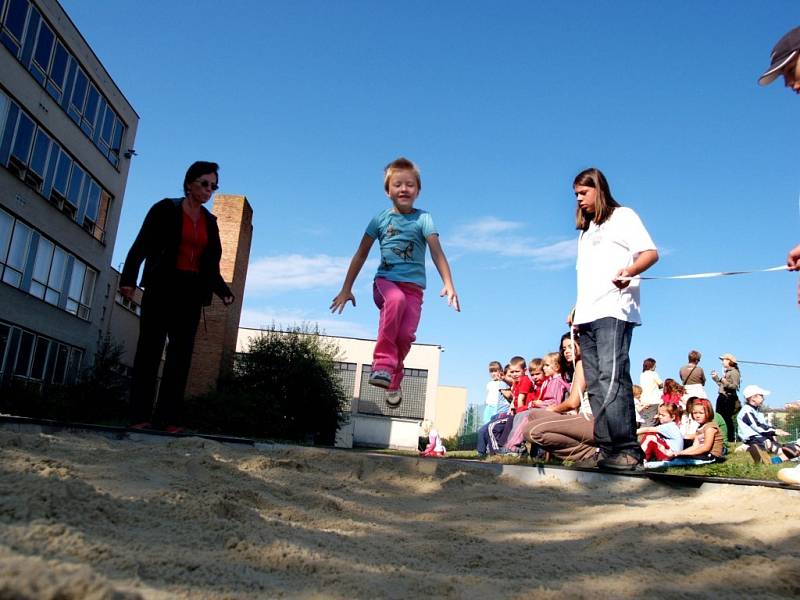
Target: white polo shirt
x=602 y=251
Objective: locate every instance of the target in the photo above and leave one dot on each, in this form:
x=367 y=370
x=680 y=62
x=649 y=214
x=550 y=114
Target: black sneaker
x=620 y=462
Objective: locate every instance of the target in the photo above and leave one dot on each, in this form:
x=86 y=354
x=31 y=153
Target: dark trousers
x=169 y=311
x=604 y=349
x=726 y=407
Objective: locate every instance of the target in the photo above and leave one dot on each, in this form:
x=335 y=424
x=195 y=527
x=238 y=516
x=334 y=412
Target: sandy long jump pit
x=87 y=517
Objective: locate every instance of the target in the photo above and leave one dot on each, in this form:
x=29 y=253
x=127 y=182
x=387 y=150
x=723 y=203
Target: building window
x=49 y=277
x=6 y=227
x=42 y=52
x=40 y=162
x=346 y=373
x=41 y=268
x=40 y=358
x=56 y=70
x=81 y=290
x=22 y=365
x=128 y=304
x=14 y=25
x=17 y=254
x=414 y=387
x=55 y=281
x=26 y=355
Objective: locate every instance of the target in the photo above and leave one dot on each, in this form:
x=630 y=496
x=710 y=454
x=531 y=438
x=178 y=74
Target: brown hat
x=730 y=357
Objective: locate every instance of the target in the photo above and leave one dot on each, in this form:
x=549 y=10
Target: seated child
x=435 y=446
x=688 y=425
x=492 y=436
x=494 y=403
x=663 y=441
x=555 y=388
x=515 y=441
x=756 y=432
x=707 y=444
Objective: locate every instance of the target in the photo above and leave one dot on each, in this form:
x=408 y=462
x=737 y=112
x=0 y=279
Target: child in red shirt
x=521 y=388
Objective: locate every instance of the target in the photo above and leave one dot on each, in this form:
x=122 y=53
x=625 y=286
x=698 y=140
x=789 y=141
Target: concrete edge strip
x=535 y=474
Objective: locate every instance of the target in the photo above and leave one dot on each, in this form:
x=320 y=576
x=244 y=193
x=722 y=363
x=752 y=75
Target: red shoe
x=174 y=429
x=143 y=425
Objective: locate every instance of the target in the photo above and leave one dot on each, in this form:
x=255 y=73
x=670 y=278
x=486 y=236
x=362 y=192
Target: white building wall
x=376 y=430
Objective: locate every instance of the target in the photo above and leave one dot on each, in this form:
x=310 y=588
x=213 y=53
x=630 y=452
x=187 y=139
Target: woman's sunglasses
x=207 y=184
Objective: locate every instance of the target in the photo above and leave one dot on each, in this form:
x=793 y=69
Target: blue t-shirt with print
x=403 y=242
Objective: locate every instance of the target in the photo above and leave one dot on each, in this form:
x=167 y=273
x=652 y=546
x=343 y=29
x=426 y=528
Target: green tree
x=792 y=424
x=283 y=387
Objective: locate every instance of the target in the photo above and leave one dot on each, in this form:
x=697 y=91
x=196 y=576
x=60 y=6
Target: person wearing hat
x=784 y=61
x=755 y=431
x=727 y=401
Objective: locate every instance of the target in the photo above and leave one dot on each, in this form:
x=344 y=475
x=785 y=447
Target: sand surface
x=86 y=517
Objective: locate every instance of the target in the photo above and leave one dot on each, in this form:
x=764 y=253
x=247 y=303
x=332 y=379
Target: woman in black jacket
x=180 y=247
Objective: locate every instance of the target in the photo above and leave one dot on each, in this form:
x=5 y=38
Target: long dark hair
x=567 y=367
x=604 y=205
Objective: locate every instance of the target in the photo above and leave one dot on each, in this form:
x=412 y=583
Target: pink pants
x=400 y=304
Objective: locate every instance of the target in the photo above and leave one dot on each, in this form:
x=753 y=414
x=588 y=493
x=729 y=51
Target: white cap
x=752 y=390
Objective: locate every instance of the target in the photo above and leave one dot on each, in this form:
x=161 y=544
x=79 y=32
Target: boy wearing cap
x=754 y=429
x=784 y=61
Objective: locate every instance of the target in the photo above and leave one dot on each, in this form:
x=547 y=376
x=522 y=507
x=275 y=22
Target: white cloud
x=288 y=272
x=510 y=239
x=284 y=318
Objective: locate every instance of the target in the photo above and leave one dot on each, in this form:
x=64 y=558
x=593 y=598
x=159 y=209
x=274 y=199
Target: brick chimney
x=215 y=343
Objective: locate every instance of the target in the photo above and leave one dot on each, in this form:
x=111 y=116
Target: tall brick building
x=215 y=344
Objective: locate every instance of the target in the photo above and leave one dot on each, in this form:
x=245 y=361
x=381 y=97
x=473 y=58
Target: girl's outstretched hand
x=341 y=299
x=452 y=297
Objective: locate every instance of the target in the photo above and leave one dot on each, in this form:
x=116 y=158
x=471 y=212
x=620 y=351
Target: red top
x=523 y=385
x=194 y=239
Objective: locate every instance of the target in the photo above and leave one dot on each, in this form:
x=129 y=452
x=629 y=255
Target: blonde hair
x=553 y=358
x=400 y=164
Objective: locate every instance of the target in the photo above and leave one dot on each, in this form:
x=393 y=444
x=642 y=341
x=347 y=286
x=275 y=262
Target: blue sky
x=500 y=104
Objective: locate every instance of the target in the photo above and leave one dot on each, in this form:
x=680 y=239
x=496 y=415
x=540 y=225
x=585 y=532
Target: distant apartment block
x=66 y=138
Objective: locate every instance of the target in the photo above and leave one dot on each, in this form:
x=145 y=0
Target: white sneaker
x=394 y=398
x=381 y=379
x=790 y=475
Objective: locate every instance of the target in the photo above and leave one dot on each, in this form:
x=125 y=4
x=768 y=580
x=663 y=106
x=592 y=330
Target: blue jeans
x=604 y=349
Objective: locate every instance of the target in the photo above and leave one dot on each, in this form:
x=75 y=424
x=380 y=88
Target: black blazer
x=157 y=246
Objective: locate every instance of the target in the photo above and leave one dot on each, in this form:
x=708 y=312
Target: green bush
x=283 y=387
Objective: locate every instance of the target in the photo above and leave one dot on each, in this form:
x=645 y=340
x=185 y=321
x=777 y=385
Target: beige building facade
x=371 y=422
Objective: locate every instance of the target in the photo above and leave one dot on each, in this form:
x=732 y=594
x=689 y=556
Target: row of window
x=26 y=355
x=34 y=264
x=33 y=156
x=34 y=43
x=128 y=304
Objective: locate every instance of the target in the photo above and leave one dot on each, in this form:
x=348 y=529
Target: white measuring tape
x=705 y=275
